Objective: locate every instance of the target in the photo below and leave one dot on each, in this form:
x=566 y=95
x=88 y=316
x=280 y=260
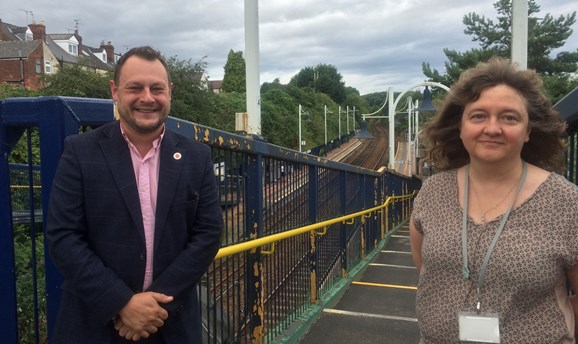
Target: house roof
x=86 y=55
x=17 y=49
x=14 y=41
x=61 y=36
x=216 y=84
x=13 y=32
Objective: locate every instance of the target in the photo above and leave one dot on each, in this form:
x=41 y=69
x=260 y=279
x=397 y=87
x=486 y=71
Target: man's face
x=142 y=95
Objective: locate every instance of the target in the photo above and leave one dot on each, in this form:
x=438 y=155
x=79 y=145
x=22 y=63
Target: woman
x=494 y=234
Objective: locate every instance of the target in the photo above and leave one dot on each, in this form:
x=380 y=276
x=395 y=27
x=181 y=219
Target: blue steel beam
x=8 y=315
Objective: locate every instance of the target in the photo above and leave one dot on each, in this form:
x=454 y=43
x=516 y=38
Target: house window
x=47 y=67
x=73 y=49
x=37 y=67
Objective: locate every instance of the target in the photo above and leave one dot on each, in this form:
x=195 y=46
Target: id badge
x=479 y=327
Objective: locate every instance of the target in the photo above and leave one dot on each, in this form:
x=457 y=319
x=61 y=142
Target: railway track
x=370 y=154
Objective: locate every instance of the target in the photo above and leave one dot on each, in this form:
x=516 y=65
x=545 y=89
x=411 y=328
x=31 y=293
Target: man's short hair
x=145 y=52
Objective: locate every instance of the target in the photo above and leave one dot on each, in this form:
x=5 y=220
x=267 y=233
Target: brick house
x=26 y=53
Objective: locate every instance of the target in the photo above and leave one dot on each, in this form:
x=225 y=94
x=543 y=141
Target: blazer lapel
x=171 y=161
x=117 y=155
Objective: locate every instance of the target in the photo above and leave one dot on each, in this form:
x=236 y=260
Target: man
x=134 y=219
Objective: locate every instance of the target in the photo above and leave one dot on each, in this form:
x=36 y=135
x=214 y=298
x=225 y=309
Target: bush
x=30 y=283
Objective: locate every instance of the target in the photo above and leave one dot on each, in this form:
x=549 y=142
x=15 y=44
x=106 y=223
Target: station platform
x=379 y=306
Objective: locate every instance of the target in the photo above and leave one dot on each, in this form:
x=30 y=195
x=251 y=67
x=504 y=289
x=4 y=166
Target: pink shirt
x=146 y=171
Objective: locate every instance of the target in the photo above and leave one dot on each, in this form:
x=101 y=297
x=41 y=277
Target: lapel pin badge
x=177 y=156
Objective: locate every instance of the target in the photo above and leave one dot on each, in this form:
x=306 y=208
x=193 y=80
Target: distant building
x=27 y=53
x=216 y=86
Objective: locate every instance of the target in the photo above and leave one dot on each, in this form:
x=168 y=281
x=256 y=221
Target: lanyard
x=484 y=268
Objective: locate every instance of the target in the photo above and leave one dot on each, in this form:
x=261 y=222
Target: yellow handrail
x=322 y=232
x=249 y=245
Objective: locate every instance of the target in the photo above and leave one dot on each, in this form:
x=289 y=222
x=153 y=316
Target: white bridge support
x=391 y=114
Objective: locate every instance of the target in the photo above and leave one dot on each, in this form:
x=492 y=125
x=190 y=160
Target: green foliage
x=25 y=281
x=77 y=81
x=279 y=116
x=353 y=99
x=321 y=78
x=280 y=113
x=223 y=109
x=10 y=91
x=545 y=35
x=19 y=153
x=375 y=100
x=190 y=94
x=234 y=79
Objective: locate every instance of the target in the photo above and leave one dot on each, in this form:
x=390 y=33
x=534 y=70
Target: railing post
x=312 y=268
x=369 y=202
x=254 y=226
x=8 y=314
x=571 y=157
x=380 y=198
x=343 y=226
x=365 y=237
x=313 y=200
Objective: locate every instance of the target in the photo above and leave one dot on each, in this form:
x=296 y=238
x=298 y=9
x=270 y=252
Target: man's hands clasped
x=142 y=315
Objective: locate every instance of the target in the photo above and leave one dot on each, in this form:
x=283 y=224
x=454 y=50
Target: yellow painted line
x=368 y=315
x=392 y=266
x=385 y=285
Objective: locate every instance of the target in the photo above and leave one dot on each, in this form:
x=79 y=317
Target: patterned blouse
x=525 y=281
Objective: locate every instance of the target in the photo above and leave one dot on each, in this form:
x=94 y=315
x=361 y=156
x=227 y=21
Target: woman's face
x=495 y=127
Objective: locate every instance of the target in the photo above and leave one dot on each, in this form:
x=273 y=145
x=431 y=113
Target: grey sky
x=373 y=44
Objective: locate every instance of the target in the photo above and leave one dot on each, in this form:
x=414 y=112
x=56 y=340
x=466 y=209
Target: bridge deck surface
x=377 y=308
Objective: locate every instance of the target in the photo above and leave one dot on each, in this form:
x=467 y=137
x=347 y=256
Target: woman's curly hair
x=546 y=145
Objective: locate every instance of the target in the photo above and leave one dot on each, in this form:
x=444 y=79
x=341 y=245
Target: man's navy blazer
x=96 y=238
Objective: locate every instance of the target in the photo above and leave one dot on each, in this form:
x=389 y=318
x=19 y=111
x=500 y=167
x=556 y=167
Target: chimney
x=38 y=31
x=109 y=48
x=79 y=39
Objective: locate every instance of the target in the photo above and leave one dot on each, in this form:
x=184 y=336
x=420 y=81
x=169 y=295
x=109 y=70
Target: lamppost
x=301 y=113
x=353 y=118
x=325 y=115
x=412 y=124
x=347 y=119
x=340 y=112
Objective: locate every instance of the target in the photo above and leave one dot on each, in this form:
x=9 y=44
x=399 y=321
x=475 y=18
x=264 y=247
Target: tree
x=223 y=109
x=322 y=78
x=190 y=94
x=495 y=39
x=279 y=116
x=234 y=78
x=305 y=78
